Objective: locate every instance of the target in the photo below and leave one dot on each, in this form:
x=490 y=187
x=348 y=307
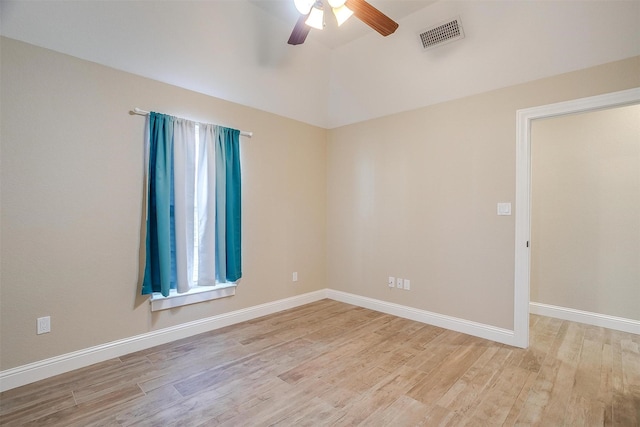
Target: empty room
x=320 y=212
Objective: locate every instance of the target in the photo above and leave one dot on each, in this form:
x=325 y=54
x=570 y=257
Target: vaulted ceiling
x=236 y=49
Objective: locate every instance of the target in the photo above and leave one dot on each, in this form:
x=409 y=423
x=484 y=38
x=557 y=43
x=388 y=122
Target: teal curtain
x=228 y=205
x=159 y=275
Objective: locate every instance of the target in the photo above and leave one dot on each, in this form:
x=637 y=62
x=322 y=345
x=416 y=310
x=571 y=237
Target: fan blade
x=372 y=17
x=300 y=31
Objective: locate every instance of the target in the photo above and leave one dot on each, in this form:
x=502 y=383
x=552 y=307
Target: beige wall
x=72 y=170
x=414 y=195
x=585 y=227
x=411 y=195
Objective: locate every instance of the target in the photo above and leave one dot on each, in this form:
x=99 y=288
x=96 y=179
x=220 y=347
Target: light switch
x=504 y=208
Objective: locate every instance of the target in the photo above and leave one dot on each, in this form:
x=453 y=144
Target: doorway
x=524 y=119
x=585 y=217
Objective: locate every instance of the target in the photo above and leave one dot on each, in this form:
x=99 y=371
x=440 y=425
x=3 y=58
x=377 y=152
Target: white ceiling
x=236 y=49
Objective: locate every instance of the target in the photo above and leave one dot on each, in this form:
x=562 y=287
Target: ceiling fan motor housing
x=312 y=15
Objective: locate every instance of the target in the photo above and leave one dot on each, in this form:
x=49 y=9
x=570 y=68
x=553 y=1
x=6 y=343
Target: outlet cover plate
x=43 y=325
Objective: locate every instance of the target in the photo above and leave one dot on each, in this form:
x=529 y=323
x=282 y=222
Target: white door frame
x=523 y=191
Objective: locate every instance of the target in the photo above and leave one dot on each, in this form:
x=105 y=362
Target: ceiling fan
x=312 y=16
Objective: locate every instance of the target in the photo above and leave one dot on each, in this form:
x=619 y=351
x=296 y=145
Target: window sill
x=195 y=295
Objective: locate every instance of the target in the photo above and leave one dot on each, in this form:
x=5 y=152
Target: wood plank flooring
x=330 y=363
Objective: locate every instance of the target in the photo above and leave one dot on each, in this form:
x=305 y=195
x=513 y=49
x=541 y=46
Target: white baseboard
x=26 y=374
x=595 y=319
x=21 y=375
x=469 y=327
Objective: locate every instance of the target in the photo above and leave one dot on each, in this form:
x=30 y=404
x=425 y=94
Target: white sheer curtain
x=206 y=198
x=194 y=174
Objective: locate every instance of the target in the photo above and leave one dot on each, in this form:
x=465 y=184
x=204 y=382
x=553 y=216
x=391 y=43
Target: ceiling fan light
x=304 y=6
x=316 y=18
x=342 y=13
x=336 y=3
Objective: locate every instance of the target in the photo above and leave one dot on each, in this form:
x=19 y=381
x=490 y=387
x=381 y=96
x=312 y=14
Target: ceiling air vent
x=442 y=33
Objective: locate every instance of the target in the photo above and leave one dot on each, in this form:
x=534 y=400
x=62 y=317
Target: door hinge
x=527 y=243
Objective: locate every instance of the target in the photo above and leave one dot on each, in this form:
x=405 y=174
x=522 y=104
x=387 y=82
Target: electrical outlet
x=399 y=283
x=392 y=281
x=44 y=325
x=295 y=276
x=407 y=284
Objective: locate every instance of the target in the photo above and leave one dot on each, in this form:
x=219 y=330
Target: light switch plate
x=399 y=283
x=504 y=208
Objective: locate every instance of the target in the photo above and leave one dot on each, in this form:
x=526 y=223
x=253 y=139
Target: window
x=193 y=236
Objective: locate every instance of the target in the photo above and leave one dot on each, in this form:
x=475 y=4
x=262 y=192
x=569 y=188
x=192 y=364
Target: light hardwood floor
x=330 y=363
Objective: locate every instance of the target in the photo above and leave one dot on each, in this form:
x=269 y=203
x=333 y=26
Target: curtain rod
x=146 y=113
